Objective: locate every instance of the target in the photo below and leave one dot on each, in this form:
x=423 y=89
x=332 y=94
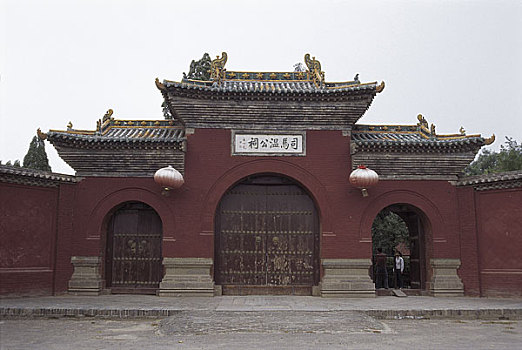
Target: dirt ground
x=268 y=330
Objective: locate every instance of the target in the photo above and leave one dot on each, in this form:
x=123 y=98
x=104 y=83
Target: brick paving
x=136 y=306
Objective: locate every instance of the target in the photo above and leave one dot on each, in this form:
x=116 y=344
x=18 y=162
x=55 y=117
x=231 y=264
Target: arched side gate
x=267 y=238
x=133 y=261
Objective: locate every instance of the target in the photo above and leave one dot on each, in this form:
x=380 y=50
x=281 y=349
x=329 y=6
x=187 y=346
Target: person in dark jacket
x=380 y=267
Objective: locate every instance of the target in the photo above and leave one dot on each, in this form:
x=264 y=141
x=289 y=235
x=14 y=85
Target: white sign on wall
x=268 y=144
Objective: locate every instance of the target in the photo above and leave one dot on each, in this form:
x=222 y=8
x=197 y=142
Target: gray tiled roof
x=129 y=131
x=34 y=177
x=491 y=178
x=148 y=133
x=271 y=86
x=407 y=135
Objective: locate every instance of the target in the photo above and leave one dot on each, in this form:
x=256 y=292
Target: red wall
x=188 y=213
x=499 y=222
x=469 y=271
x=28 y=237
x=43 y=227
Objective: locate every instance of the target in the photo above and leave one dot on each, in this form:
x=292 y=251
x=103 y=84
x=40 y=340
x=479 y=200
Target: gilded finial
x=432 y=129
x=98 y=125
x=41 y=134
x=462 y=131
x=380 y=87
x=490 y=140
x=69 y=125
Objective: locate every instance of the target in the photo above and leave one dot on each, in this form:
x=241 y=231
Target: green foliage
x=509 y=158
x=36 y=158
x=199 y=70
x=388 y=231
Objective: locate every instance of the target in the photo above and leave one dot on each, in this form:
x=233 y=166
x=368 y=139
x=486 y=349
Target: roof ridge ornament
x=217 y=67
x=378 y=88
x=159 y=85
x=41 y=135
x=314 y=66
x=489 y=140
x=107 y=115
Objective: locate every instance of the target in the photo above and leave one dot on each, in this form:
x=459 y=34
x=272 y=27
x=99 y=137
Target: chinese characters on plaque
x=268 y=144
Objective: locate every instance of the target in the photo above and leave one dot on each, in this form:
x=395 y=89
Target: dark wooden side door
x=134 y=260
x=417 y=268
x=267 y=239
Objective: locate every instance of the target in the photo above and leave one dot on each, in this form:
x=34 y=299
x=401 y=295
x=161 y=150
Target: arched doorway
x=388 y=233
x=267 y=238
x=133 y=261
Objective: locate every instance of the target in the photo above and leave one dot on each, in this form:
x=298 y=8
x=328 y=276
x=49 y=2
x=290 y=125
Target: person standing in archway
x=382 y=274
x=398 y=269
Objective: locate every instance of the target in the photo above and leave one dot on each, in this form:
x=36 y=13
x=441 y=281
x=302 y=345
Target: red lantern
x=168 y=178
x=364 y=178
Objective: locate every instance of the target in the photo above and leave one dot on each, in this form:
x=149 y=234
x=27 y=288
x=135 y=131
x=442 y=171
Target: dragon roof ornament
x=217 y=67
x=314 y=66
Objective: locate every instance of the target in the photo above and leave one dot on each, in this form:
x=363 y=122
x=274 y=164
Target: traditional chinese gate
x=267 y=238
x=133 y=260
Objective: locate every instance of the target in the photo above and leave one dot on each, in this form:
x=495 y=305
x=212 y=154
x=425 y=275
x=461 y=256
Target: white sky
x=459 y=63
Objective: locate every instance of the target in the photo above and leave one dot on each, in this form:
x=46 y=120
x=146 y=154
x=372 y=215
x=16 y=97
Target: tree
x=36 y=158
x=509 y=158
x=388 y=231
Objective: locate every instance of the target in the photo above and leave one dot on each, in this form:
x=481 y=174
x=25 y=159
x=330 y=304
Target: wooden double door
x=267 y=238
x=133 y=261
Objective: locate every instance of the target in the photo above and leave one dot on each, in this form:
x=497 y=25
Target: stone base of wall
x=445 y=281
x=86 y=278
x=347 y=278
x=187 y=277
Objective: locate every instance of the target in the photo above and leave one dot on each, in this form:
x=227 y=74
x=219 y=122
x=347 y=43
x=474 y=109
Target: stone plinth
x=445 y=281
x=86 y=278
x=187 y=277
x=347 y=278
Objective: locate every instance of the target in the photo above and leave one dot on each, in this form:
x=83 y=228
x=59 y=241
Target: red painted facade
x=43 y=227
